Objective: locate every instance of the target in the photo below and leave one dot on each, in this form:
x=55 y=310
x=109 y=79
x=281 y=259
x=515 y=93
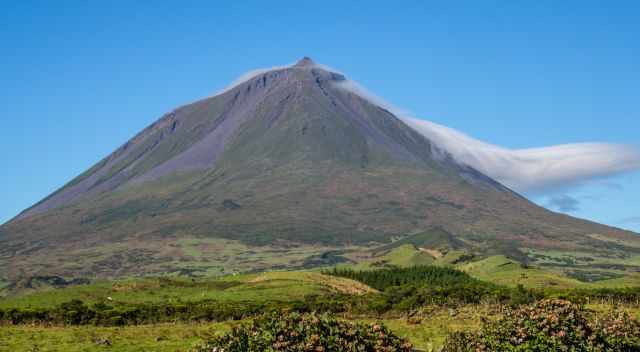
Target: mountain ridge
x=286 y=157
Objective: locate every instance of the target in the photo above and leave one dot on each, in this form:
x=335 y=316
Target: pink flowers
x=289 y=332
x=551 y=325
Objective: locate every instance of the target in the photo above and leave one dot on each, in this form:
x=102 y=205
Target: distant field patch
x=272 y=286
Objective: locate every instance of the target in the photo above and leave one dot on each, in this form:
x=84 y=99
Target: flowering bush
x=551 y=325
x=306 y=332
x=619 y=332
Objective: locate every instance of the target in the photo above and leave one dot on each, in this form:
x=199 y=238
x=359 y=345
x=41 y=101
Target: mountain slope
x=287 y=159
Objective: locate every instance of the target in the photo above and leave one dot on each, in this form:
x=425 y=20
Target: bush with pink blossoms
x=306 y=332
x=551 y=325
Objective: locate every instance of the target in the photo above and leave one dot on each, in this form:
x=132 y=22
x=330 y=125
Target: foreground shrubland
x=306 y=332
x=551 y=325
x=425 y=304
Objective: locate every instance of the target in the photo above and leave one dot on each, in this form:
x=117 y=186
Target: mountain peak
x=305 y=62
x=286 y=157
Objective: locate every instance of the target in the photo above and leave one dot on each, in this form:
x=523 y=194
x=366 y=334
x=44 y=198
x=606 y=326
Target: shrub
x=306 y=332
x=617 y=331
x=551 y=325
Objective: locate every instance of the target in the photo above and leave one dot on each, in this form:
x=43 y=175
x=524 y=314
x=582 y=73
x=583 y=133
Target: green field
x=161 y=337
x=426 y=326
x=427 y=332
x=264 y=287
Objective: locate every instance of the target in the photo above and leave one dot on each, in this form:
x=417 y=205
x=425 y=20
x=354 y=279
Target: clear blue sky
x=79 y=78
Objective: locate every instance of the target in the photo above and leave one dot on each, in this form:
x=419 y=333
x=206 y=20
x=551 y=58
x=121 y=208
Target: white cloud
x=535 y=169
x=531 y=170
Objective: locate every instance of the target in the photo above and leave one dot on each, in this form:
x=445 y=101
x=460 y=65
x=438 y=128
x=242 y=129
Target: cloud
x=531 y=170
x=563 y=203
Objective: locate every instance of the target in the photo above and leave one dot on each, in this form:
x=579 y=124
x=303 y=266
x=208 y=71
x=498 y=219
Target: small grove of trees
x=382 y=279
x=551 y=325
x=306 y=332
x=407 y=288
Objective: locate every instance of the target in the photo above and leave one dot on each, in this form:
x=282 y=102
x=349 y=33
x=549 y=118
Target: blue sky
x=80 y=78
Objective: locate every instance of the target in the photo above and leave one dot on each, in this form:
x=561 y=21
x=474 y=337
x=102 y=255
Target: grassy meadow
x=402 y=303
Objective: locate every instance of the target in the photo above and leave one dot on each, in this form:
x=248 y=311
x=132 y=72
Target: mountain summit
x=305 y=62
x=289 y=160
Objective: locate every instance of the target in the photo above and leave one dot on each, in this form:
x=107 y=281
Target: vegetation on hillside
x=423 y=303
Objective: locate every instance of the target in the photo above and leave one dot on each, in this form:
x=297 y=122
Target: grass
x=504 y=271
x=633 y=311
x=405 y=255
x=314 y=279
x=272 y=286
x=428 y=334
x=450 y=257
x=427 y=331
x=161 y=338
x=435 y=323
x=631 y=280
x=223 y=254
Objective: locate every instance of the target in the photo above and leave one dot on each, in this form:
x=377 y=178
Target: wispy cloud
x=563 y=203
x=532 y=170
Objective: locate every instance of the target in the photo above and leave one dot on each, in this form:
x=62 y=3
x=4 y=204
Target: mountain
x=286 y=169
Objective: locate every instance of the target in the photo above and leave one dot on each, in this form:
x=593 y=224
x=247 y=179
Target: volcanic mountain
x=273 y=172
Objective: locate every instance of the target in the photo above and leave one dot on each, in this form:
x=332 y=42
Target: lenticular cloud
x=535 y=169
x=532 y=170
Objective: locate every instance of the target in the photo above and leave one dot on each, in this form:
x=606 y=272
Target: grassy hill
x=505 y=271
x=498 y=269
